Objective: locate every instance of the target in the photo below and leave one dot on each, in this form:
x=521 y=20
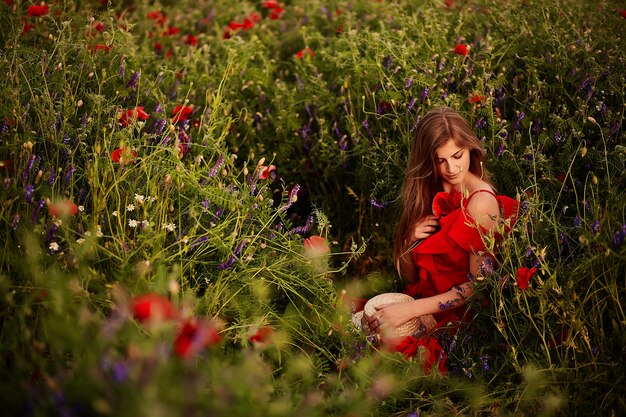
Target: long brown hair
x=421 y=181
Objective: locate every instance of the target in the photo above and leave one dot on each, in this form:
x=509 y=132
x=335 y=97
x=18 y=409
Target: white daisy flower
x=139 y=199
x=114 y=214
x=130 y=207
x=132 y=223
x=54 y=247
x=170 y=227
x=81 y=208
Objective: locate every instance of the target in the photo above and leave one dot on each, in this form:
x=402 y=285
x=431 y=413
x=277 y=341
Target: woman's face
x=452 y=163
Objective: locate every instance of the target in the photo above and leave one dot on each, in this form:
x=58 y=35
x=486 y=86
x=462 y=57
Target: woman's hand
x=392 y=316
x=424 y=228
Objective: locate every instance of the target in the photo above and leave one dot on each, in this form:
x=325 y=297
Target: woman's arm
x=421 y=230
x=395 y=315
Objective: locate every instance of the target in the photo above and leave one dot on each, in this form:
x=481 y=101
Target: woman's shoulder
x=482 y=205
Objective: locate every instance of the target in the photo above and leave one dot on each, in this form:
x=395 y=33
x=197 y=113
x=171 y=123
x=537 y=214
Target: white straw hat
x=415 y=327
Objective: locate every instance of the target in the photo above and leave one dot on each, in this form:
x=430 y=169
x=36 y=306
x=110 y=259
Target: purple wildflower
x=409 y=83
x=484 y=358
x=303 y=229
x=68 y=176
x=424 y=94
x=28 y=191
x=52 y=177
x=4 y=127
x=618 y=238
x=577 y=221
x=409 y=107
x=481 y=123
x=293 y=196
x=417 y=120
x=557 y=137
x=343 y=143
x=387 y=62
x=216 y=167
x=377 y=205
x=587 y=206
x=133 y=80
x=36 y=210
x=122 y=69
x=233 y=256
x=83 y=120
x=595 y=227
x=518 y=122
x=500 y=150
x=366 y=125
x=16 y=221
x=217 y=214
x=486 y=267
x=29 y=166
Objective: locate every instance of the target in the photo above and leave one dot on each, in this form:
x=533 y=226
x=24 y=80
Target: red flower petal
x=315 y=246
x=62 y=208
x=461 y=49
x=153 y=307
x=181 y=113
x=121 y=154
x=41 y=10
x=262 y=335
x=307 y=50
x=523 y=276
x=623 y=13
x=194 y=336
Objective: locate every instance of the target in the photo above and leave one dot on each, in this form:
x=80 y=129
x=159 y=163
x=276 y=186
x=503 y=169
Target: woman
x=448 y=205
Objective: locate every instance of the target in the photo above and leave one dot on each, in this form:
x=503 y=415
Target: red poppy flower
x=448 y=3
x=158 y=46
x=256 y=18
x=40 y=10
x=227 y=34
x=99 y=47
x=153 y=307
x=315 y=246
x=62 y=208
x=127 y=117
x=181 y=113
x=276 y=13
x=307 y=50
x=234 y=25
x=264 y=172
x=191 y=40
x=158 y=16
x=623 y=13
x=474 y=98
x=27 y=27
x=445 y=203
x=194 y=336
x=170 y=31
x=9 y=2
x=262 y=335
x=461 y=49
x=523 y=277
x=247 y=23
x=123 y=154
x=271 y=4
x=99 y=26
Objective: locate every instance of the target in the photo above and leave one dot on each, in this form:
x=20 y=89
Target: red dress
x=443 y=262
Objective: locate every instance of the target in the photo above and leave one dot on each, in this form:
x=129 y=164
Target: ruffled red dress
x=443 y=262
